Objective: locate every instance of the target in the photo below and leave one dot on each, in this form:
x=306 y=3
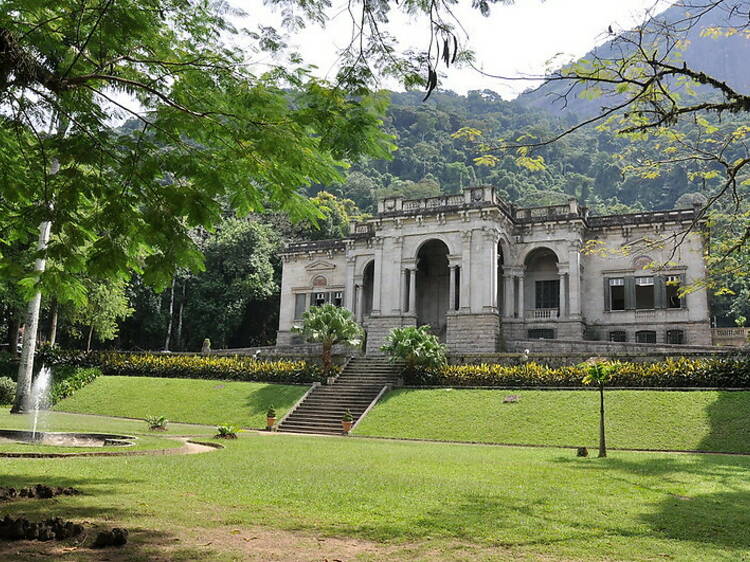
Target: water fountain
x=39 y=399
x=37 y=404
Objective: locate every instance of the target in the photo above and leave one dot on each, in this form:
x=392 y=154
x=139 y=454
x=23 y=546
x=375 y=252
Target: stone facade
x=483 y=273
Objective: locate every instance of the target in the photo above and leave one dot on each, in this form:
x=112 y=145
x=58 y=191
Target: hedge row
x=729 y=372
x=209 y=367
x=239 y=368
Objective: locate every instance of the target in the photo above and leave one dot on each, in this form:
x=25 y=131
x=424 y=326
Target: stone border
x=184 y=450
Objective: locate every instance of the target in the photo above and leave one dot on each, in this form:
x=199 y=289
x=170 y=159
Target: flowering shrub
x=678 y=372
x=208 y=367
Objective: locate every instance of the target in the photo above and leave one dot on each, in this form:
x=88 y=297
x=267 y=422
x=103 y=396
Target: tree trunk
x=602 y=442
x=171 y=311
x=327 y=357
x=53 y=323
x=26 y=365
x=88 y=339
x=14 y=327
x=178 y=338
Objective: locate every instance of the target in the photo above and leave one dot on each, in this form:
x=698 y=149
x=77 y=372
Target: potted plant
x=270 y=418
x=347 y=421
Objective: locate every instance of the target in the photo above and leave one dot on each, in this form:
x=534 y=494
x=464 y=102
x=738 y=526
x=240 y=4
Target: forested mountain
x=586 y=164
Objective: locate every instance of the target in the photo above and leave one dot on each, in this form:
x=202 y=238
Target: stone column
x=521 y=292
x=466 y=276
x=377 y=277
x=413 y=290
x=349 y=297
x=404 y=286
x=452 y=288
x=574 y=282
x=509 y=296
x=360 y=302
x=563 y=294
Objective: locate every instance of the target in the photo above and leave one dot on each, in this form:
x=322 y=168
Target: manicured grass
x=242 y=404
x=424 y=501
x=63 y=421
x=695 y=420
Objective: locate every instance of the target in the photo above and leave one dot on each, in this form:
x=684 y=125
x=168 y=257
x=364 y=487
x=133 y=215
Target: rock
x=115 y=537
x=49 y=530
x=511 y=399
x=582 y=452
x=40 y=491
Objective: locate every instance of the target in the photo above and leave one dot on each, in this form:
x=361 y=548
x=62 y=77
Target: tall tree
x=210 y=130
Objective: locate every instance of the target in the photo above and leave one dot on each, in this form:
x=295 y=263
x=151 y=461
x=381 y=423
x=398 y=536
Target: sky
x=515 y=40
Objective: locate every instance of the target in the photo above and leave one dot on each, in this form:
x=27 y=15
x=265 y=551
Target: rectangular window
x=320 y=299
x=338 y=298
x=676 y=337
x=300 y=303
x=541 y=334
x=617 y=294
x=618 y=336
x=673 y=291
x=548 y=294
x=644 y=292
x=645 y=336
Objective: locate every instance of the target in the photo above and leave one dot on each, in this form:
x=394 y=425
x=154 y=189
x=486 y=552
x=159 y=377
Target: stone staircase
x=355 y=389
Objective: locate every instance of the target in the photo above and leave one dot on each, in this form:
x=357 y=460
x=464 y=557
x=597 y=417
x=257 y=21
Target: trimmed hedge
x=208 y=367
x=729 y=372
x=71 y=382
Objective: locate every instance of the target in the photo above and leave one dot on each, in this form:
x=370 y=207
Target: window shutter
x=606 y=294
x=629 y=293
x=660 y=292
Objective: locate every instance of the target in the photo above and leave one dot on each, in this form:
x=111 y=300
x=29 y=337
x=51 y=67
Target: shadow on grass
x=720 y=518
x=281 y=398
x=143 y=544
x=729 y=419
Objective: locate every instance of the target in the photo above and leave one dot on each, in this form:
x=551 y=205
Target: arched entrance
x=368 y=281
x=542 y=285
x=433 y=286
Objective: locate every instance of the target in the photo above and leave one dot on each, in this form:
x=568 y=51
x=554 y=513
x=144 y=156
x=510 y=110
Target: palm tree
x=328 y=324
x=600 y=371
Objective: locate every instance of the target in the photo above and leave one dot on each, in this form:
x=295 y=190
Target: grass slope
x=696 y=420
x=425 y=501
x=241 y=404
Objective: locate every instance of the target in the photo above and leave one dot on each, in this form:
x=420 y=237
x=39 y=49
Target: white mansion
x=482 y=272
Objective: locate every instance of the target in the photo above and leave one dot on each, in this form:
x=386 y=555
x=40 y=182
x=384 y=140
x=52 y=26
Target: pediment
x=320 y=265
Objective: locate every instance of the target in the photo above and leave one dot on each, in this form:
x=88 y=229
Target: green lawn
x=241 y=404
x=403 y=500
x=712 y=421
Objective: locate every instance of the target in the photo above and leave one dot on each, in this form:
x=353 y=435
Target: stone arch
x=542 y=283
x=433 y=285
x=432 y=238
x=368 y=287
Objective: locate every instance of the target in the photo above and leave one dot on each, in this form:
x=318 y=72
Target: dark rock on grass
x=582 y=452
x=40 y=491
x=49 y=530
x=115 y=537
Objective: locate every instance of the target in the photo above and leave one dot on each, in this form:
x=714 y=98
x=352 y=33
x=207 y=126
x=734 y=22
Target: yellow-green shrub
x=679 y=372
x=237 y=368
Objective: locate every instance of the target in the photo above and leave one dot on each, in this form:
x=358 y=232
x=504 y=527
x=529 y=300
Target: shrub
x=7 y=390
x=157 y=423
x=417 y=347
x=348 y=417
x=720 y=372
x=226 y=432
x=67 y=381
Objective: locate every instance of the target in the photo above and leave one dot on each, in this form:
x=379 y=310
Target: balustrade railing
x=543 y=313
